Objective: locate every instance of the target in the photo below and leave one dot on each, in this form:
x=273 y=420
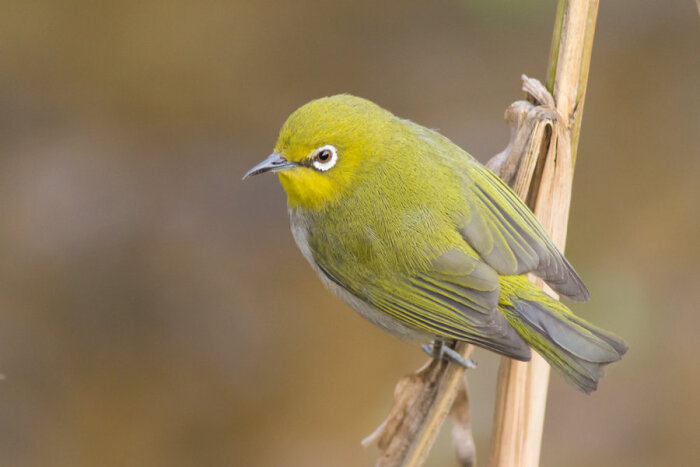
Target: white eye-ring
x=325 y=157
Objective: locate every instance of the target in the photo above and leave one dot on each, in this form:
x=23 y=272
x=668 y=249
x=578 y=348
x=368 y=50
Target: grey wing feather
x=457 y=299
x=510 y=239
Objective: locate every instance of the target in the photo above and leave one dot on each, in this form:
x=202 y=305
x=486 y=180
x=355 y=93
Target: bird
x=423 y=241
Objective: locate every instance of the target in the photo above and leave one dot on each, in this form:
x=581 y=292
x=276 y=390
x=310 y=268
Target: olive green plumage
x=424 y=241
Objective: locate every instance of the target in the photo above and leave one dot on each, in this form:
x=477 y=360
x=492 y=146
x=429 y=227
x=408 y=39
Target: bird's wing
x=509 y=238
x=457 y=298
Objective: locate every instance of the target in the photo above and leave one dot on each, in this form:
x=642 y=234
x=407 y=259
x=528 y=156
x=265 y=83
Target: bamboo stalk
x=522 y=387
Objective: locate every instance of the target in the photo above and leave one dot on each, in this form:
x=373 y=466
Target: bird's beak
x=274 y=163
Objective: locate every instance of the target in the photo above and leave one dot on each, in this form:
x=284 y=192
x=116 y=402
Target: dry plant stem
x=534 y=141
x=583 y=81
x=462 y=427
x=421 y=402
x=522 y=387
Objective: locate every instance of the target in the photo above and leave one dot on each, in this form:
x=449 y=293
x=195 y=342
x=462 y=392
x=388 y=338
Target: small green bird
x=425 y=242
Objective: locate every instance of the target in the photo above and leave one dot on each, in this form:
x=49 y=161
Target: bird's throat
x=307 y=189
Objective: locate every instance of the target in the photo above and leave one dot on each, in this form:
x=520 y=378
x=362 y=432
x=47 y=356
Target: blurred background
x=154 y=310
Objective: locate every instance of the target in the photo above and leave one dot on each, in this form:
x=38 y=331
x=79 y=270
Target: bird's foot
x=438 y=350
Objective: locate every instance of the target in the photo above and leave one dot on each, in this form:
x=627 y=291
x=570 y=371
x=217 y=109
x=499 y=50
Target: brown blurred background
x=154 y=310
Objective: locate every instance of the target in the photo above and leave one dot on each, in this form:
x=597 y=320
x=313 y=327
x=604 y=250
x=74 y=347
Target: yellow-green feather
x=415 y=227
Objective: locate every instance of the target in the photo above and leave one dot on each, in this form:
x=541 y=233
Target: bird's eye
x=325 y=158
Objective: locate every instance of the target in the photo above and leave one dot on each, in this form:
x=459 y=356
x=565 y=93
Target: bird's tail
x=576 y=348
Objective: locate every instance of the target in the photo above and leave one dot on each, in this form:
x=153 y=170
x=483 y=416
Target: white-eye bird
x=425 y=242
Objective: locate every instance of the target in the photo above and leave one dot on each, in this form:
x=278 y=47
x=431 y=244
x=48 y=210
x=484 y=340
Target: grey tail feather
x=576 y=348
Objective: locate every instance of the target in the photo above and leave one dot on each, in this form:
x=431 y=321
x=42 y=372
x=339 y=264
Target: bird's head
x=325 y=146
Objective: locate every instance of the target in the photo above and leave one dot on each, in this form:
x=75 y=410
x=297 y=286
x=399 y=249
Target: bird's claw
x=437 y=350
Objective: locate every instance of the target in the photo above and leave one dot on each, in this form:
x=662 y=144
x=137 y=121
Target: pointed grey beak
x=274 y=163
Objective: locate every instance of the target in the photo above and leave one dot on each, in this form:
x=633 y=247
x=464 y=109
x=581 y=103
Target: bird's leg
x=438 y=350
